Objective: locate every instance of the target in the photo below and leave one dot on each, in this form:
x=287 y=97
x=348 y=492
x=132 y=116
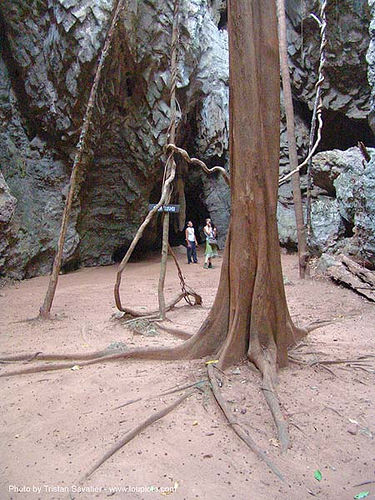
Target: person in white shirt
x=191 y=242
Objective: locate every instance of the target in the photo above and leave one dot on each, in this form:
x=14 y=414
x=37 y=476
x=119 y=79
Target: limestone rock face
x=347 y=109
x=47 y=67
x=350 y=189
x=49 y=51
x=345 y=89
x=7 y=202
x=32 y=197
x=7 y=207
x=371 y=63
x=343 y=206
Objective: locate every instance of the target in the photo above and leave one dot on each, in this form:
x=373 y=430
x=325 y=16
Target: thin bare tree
x=45 y=309
x=291 y=134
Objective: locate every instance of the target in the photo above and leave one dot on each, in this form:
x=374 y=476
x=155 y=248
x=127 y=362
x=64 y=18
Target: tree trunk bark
x=250 y=316
x=292 y=147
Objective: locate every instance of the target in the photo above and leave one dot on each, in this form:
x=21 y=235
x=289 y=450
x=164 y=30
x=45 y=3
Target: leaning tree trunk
x=84 y=137
x=292 y=147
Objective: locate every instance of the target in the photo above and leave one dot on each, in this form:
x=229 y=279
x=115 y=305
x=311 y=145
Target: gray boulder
x=352 y=180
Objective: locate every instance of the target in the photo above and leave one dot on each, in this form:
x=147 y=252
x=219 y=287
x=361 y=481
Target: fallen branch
x=237 y=427
x=137 y=430
x=363 y=484
x=327 y=369
x=339 y=361
x=360 y=363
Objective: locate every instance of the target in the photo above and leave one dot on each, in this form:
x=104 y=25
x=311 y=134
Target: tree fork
x=45 y=309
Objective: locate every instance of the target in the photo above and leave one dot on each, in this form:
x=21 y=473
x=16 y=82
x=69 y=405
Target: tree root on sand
x=157 y=416
x=175 y=353
x=138 y=429
x=156 y=314
x=174 y=389
x=86 y=359
x=237 y=427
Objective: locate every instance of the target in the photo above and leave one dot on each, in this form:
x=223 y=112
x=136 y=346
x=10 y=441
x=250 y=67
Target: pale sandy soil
x=55 y=425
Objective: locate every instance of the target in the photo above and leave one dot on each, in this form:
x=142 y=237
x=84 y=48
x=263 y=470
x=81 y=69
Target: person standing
x=191 y=242
x=211 y=244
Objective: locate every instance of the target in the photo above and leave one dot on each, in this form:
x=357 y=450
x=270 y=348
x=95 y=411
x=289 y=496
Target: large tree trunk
x=250 y=316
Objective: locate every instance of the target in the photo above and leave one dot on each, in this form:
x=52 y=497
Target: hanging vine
x=190 y=296
x=317 y=120
x=318 y=105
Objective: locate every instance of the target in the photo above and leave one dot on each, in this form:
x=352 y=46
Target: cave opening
x=150 y=243
x=339 y=131
x=140 y=252
x=70 y=266
x=196 y=211
x=349 y=228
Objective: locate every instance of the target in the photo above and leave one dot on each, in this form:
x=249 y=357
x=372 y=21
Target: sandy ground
x=55 y=425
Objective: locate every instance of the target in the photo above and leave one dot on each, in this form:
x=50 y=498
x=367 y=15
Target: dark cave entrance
x=223 y=22
x=339 y=131
x=140 y=252
x=196 y=211
x=150 y=243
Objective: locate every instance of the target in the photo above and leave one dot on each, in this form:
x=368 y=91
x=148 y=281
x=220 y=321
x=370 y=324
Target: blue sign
x=172 y=209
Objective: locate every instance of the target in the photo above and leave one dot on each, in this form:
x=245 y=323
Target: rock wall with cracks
x=48 y=58
x=49 y=51
x=347 y=95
